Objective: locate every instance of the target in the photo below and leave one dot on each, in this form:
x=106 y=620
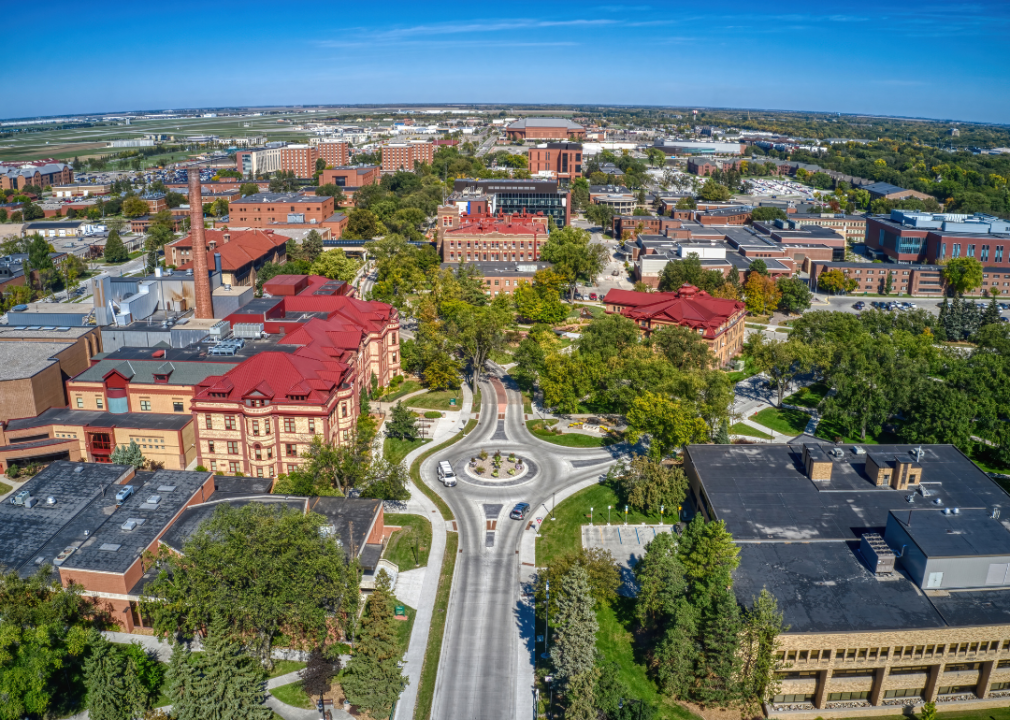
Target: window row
x=259 y=453
x=906 y=651
x=265 y=425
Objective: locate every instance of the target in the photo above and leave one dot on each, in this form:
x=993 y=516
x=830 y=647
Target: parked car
x=520 y=511
x=593 y=296
x=859 y=305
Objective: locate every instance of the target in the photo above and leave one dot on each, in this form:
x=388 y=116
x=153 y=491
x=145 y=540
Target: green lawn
x=403 y=627
x=437 y=400
x=396 y=449
x=5 y=488
x=616 y=644
x=283 y=667
x=749 y=370
x=595 y=310
x=787 y=422
x=828 y=430
x=808 y=396
x=567 y=440
x=744 y=429
x=502 y=357
x=415 y=471
x=429 y=669
x=986 y=459
x=293 y=694
x=400 y=550
x=406 y=387
x=563 y=535
x=527 y=402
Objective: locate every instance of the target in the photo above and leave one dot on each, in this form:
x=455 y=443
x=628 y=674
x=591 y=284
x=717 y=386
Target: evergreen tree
x=373 y=680
x=115 y=250
x=719 y=666
x=180 y=679
x=581 y=703
x=364 y=406
x=991 y=314
x=115 y=691
x=226 y=683
x=762 y=626
x=574 y=651
x=128 y=455
x=312 y=246
x=402 y=423
x=722 y=437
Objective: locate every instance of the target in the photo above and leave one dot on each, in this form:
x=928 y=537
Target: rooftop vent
x=109 y=547
x=858 y=450
x=50 y=500
x=79 y=468
x=132 y=523
x=166 y=488
x=154 y=499
x=956 y=511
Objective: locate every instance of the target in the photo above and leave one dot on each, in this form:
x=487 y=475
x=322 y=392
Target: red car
x=593 y=296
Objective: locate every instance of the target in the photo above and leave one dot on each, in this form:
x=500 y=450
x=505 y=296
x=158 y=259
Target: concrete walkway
x=414 y=658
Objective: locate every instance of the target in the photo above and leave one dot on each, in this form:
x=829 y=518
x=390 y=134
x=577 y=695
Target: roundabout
x=524 y=471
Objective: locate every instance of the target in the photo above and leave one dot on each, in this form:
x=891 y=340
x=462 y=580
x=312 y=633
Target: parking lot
x=625 y=542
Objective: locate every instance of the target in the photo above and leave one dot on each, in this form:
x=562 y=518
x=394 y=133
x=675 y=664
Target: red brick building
x=261 y=416
x=299 y=159
x=545 y=129
x=351 y=177
x=242 y=252
x=405 y=156
x=563 y=160
x=495 y=238
x=717 y=320
x=40 y=173
x=262 y=209
x=333 y=153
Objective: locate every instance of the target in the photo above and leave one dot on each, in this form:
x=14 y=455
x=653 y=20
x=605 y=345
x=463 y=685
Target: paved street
x=486 y=667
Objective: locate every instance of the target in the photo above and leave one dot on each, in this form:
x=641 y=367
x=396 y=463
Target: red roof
x=520 y=224
x=688 y=306
x=276 y=376
x=241 y=248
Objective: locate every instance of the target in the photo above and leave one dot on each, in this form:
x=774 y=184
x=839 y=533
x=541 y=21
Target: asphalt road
x=487 y=654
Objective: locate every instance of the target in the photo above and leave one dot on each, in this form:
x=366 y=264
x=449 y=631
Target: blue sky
x=895 y=58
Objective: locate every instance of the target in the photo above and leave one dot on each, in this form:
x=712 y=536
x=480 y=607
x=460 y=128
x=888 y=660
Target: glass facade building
x=513 y=196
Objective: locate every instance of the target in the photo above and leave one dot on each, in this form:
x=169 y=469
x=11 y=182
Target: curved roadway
x=485 y=672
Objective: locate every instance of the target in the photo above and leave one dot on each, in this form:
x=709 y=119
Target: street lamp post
x=547 y=621
x=590 y=516
x=608 y=516
x=661 y=509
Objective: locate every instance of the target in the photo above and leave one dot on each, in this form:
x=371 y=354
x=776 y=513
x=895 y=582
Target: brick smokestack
x=201 y=281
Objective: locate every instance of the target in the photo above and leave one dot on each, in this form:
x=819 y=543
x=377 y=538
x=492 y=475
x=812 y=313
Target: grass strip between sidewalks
x=429 y=668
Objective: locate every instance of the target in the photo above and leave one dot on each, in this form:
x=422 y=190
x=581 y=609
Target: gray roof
x=97 y=418
x=25 y=360
x=503 y=268
x=112 y=548
x=544 y=122
x=143 y=371
x=883 y=188
x=352 y=519
x=269 y=197
x=969 y=533
x=31 y=537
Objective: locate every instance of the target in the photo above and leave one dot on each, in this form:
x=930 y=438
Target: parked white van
x=445 y=474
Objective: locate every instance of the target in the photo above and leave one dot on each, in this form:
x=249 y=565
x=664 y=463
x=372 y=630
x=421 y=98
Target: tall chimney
x=201 y=281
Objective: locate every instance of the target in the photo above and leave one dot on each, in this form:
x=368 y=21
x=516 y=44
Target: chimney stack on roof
x=201 y=280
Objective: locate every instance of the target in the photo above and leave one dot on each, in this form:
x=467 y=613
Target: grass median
x=539 y=428
x=415 y=471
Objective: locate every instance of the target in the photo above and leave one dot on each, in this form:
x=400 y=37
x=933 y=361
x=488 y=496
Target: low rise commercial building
x=719 y=321
x=621 y=199
x=545 y=129
x=693 y=147
x=917 y=237
x=504 y=278
x=887 y=191
x=852 y=227
x=888 y=562
x=262 y=209
x=351 y=177
x=242 y=252
x=81 y=190
x=906 y=278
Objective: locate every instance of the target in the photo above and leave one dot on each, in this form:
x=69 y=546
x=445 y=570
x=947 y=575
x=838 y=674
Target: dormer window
x=160 y=378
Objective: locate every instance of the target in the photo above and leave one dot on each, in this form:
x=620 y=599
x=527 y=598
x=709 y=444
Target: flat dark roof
x=971 y=532
x=825 y=587
x=95 y=418
x=351 y=518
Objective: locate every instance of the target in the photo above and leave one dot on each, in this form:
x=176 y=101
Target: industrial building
x=889 y=563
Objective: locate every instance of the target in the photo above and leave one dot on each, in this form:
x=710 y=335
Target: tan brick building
x=262 y=209
x=889 y=563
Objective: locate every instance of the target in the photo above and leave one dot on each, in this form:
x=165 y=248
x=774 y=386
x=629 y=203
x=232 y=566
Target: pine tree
x=115 y=250
x=373 y=680
x=225 y=683
x=574 y=651
x=722 y=437
x=180 y=679
x=581 y=700
x=762 y=626
x=402 y=423
x=364 y=407
x=991 y=314
x=128 y=455
x=312 y=246
x=719 y=664
x=115 y=691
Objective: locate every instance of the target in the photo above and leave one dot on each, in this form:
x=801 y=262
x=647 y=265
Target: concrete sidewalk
x=414 y=658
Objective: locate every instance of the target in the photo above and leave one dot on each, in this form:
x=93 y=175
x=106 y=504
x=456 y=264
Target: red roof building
x=259 y=417
x=719 y=321
x=495 y=238
x=242 y=252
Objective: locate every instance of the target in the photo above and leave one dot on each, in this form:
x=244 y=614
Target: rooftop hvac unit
x=858 y=450
x=878 y=556
x=248 y=330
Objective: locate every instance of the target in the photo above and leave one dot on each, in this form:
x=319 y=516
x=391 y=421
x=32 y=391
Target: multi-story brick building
x=262 y=209
x=405 y=156
x=299 y=159
x=916 y=237
x=352 y=178
x=642 y=224
x=910 y=279
x=259 y=417
x=720 y=322
x=563 y=160
x=495 y=238
x=334 y=154
x=545 y=129
x=852 y=227
x=504 y=278
x=40 y=173
x=888 y=562
x=512 y=196
x=243 y=252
